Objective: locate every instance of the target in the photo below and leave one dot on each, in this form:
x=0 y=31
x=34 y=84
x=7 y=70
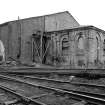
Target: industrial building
x=56 y=39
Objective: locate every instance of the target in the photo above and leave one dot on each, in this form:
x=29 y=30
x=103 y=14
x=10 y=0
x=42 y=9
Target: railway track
x=100 y=89
x=90 y=97
x=10 y=97
x=48 y=93
x=53 y=70
x=67 y=81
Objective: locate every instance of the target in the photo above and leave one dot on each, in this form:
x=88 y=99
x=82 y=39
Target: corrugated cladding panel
x=60 y=21
x=9 y=33
x=28 y=28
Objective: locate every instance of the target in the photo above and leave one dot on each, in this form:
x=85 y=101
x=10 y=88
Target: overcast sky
x=86 y=12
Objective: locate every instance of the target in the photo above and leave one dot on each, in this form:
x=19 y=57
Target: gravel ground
x=51 y=99
x=57 y=100
x=69 y=86
x=7 y=97
x=66 y=86
x=100 y=81
x=23 y=88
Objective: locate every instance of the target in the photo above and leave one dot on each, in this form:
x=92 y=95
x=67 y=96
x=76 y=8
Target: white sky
x=86 y=12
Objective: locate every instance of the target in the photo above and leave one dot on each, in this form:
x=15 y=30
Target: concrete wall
x=96 y=48
x=91 y=56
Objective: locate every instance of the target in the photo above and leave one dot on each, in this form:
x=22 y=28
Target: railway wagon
x=81 y=47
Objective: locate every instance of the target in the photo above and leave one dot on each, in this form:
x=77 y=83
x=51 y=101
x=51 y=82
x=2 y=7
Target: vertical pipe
x=87 y=47
x=33 y=58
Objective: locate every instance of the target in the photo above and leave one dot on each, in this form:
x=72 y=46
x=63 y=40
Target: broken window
x=80 y=43
x=65 y=46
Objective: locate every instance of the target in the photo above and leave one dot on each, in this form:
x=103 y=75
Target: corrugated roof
x=80 y=27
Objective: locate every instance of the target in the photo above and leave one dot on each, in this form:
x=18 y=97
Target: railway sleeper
x=23 y=99
x=35 y=97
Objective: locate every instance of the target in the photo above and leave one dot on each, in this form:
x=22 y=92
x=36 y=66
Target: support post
x=41 y=47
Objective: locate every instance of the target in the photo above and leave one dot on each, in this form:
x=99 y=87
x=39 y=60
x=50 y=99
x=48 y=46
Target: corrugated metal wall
x=11 y=31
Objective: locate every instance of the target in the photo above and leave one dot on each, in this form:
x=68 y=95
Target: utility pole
x=41 y=41
x=19 y=38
